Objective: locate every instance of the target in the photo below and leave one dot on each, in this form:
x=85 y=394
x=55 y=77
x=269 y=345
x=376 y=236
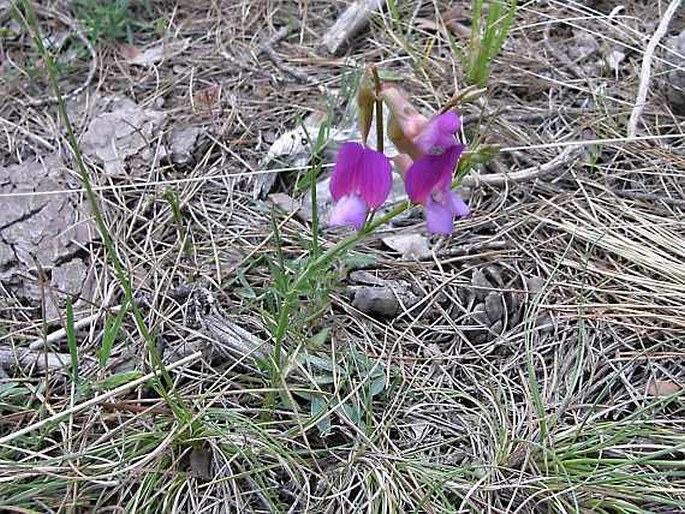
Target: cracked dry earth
x=43 y=237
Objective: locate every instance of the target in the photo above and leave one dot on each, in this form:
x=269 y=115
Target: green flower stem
x=321 y=262
x=379 y=109
x=122 y=275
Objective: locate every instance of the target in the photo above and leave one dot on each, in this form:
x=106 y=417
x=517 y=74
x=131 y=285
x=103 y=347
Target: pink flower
x=438 y=135
x=428 y=180
x=361 y=180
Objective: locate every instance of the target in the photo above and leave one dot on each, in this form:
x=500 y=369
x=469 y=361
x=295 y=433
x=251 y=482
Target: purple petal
x=439 y=218
x=431 y=173
x=345 y=177
x=361 y=171
x=456 y=205
x=438 y=135
x=375 y=178
x=349 y=210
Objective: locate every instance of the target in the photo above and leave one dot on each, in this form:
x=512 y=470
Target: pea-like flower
x=431 y=155
x=428 y=182
x=439 y=134
x=361 y=181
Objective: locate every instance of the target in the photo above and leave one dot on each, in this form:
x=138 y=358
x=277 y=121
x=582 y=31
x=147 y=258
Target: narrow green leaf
x=117 y=380
x=317 y=408
x=109 y=336
x=71 y=341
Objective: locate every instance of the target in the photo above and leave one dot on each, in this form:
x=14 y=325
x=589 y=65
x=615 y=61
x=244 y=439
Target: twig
x=235 y=340
x=498 y=179
x=61 y=333
x=267 y=49
x=646 y=69
x=355 y=18
x=25 y=358
x=96 y=400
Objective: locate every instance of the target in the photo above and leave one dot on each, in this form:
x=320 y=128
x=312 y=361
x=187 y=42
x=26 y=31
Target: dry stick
x=61 y=333
x=498 y=179
x=42 y=361
x=98 y=399
x=646 y=70
x=268 y=50
x=355 y=17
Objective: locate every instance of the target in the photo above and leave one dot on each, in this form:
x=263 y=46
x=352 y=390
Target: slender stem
x=379 y=109
x=121 y=273
x=324 y=260
x=345 y=245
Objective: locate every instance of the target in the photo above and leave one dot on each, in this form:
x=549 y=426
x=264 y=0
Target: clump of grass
x=109 y=20
x=489 y=31
x=115 y=20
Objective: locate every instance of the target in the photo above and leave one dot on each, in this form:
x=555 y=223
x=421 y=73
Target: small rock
x=201 y=463
x=494 y=306
x=182 y=142
x=377 y=301
x=383 y=298
x=480 y=284
x=44 y=227
x=68 y=278
x=410 y=246
x=124 y=130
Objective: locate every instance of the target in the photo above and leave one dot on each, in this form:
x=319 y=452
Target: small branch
x=26 y=358
x=646 y=70
x=267 y=49
x=235 y=340
x=524 y=175
x=61 y=333
x=354 y=19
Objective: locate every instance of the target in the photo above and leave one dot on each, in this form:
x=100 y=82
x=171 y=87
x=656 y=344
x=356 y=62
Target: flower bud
x=405 y=122
x=366 y=100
